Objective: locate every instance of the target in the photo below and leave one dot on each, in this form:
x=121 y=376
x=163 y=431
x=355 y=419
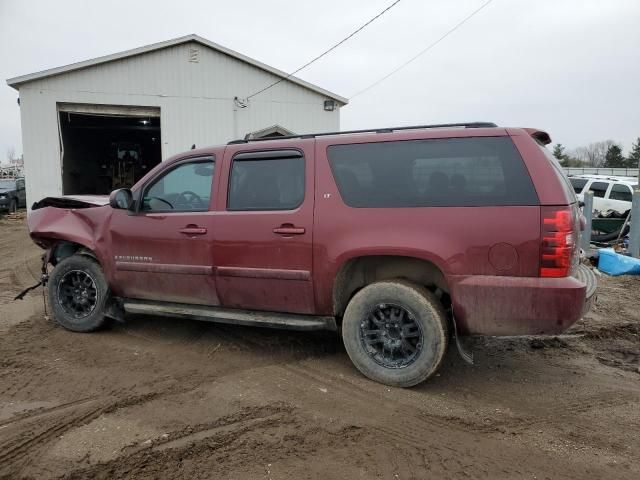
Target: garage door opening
x=113 y=148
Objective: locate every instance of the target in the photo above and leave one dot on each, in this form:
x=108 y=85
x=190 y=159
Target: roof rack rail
x=370 y=130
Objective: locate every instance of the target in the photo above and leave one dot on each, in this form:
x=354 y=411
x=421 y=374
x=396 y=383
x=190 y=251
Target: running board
x=290 y=321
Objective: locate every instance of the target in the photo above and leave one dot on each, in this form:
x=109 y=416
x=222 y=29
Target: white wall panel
x=195 y=100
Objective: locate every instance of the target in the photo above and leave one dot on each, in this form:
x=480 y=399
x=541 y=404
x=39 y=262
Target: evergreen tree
x=558 y=152
x=613 y=158
x=634 y=156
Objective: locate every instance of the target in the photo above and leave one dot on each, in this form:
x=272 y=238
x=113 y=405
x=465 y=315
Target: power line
x=327 y=51
x=422 y=52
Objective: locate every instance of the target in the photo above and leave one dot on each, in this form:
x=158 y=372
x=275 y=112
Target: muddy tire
x=395 y=332
x=78 y=293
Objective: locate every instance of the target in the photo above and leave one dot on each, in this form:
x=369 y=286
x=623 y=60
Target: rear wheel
x=78 y=294
x=395 y=332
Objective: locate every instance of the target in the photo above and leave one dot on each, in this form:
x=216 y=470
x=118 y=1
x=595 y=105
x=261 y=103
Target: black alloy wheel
x=77 y=293
x=391 y=336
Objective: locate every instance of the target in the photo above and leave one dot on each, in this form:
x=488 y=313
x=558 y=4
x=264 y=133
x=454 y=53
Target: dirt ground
x=164 y=398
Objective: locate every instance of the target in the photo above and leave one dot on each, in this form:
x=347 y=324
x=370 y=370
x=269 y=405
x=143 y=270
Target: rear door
x=263 y=236
x=599 y=189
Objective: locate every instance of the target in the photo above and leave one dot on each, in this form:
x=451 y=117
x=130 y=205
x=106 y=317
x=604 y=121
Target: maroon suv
x=396 y=237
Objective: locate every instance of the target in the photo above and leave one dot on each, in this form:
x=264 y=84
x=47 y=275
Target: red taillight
x=559 y=241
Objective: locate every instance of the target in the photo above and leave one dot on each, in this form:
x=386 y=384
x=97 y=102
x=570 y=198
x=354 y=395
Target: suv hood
x=72 y=201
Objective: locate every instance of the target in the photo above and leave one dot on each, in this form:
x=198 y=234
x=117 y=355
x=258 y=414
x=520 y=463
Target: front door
x=163 y=251
x=263 y=234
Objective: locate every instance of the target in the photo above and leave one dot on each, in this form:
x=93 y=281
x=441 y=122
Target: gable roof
x=269 y=131
x=15 y=82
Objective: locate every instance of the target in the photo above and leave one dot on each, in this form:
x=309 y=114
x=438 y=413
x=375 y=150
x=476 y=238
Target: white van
x=609 y=193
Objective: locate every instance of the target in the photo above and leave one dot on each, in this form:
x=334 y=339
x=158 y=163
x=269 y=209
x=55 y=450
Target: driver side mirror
x=121 y=199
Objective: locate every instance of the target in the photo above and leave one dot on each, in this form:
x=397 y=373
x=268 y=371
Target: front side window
x=261 y=183
x=185 y=188
x=599 y=189
x=619 y=191
x=481 y=171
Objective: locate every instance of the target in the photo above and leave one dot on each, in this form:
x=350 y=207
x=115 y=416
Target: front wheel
x=13 y=206
x=78 y=293
x=395 y=332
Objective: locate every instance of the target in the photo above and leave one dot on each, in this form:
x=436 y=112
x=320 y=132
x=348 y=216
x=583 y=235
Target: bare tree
x=11 y=154
x=594 y=154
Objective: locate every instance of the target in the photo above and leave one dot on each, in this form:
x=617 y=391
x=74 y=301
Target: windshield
x=7 y=184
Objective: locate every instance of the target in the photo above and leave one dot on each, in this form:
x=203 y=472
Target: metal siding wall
x=195 y=100
x=40 y=143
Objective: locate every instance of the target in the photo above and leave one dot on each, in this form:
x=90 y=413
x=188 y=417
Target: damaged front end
x=72 y=201
x=77 y=219
x=71 y=224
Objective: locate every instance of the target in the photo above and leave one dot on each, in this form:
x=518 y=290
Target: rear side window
x=619 y=191
x=578 y=184
x=260 y=183
x=599 y=189
x=481 y=171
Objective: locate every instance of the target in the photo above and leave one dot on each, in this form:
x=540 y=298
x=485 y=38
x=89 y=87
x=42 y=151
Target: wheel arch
x=62 y=249
x=358 y=271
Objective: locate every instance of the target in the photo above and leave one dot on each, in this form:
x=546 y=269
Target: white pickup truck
x=609 y=192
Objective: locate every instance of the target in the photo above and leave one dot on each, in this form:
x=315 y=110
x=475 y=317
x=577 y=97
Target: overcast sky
x=571 y=67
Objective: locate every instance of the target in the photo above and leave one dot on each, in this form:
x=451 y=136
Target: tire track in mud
x=25 y=442
x=250 y=436
x=469 y=441
x=249 y=418
x=562 y=417
x=38 y=412
x=9 y=285
x=373 y=399
x=28 y=435
x=17 y=272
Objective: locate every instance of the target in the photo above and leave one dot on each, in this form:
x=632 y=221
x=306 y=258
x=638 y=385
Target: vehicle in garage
x=102 y=152
x=399 y=237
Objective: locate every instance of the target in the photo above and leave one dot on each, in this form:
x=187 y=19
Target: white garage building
x=100 y=124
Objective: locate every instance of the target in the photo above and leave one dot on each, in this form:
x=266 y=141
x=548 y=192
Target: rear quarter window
x=621 y=192
x=578 y=184
x=482 y=171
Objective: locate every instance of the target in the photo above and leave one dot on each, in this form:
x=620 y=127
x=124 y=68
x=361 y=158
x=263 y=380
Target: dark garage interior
x=103 y=152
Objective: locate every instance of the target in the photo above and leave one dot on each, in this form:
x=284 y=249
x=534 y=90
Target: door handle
x=289 y=230
x=193 y=230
